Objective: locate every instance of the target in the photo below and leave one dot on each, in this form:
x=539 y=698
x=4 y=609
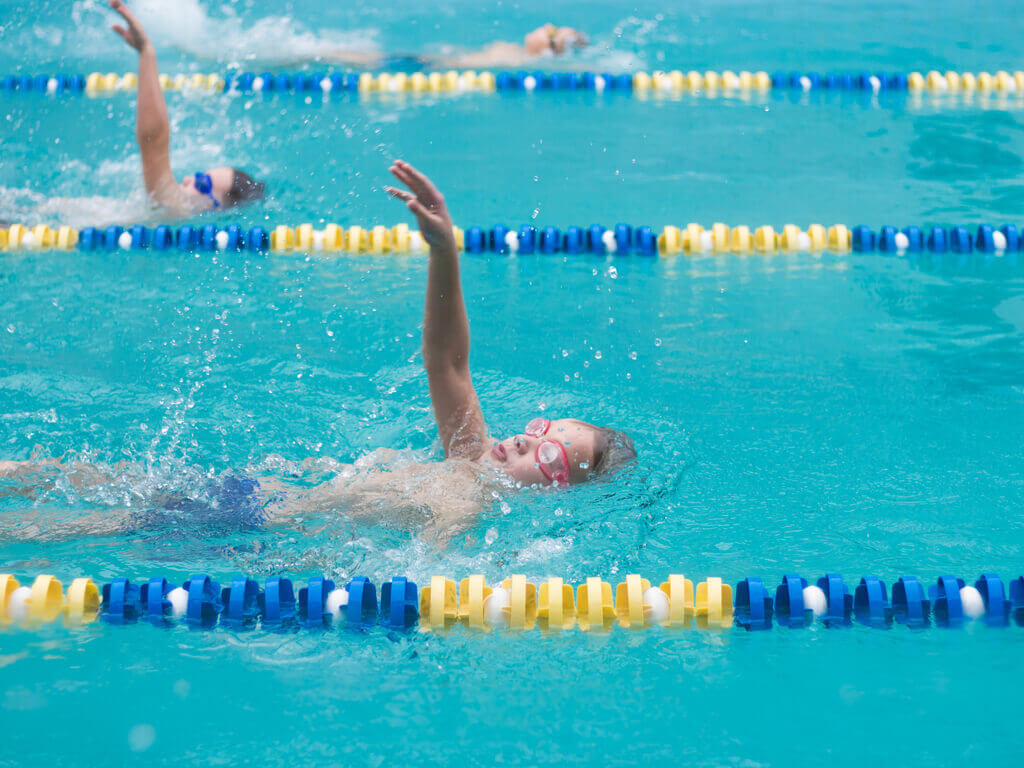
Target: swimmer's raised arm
x=152 y=127
x=445 y=325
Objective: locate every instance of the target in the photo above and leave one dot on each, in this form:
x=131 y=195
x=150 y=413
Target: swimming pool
x=850 y=413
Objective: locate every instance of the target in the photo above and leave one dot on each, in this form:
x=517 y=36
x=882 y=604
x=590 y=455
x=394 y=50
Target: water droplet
x=565 y=353
x=633 y=355
x=597 y=355
x=613 y=272
x=657 y=342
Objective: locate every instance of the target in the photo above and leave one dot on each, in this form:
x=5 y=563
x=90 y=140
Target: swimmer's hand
x=134 y=34
x=426 y=203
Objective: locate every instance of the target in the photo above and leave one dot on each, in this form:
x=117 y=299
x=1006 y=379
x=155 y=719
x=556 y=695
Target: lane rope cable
x=516 y=603
x=708 y=83
x=692 y=239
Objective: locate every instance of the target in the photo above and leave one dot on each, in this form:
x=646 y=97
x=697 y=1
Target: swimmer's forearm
x=445 y=324
x=151 y=122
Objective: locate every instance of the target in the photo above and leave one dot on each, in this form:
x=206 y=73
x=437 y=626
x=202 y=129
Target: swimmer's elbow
x=152 y=128
x=437 y=361
x=156 y=135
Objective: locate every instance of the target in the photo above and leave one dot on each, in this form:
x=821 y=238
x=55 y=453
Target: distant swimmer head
x=220 y=188
x=552 y=40
x=563 y=452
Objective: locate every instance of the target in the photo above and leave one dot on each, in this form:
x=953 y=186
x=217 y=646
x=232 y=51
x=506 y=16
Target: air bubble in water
x=490 y=537
x=657 y=342
x=141 y=737
x=633 y=355
x=613 y=272
x=597 y=355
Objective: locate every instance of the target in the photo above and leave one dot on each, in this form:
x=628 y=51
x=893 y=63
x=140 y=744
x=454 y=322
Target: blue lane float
x=278 y=602
x=399 y=603
x=754 y=605
x=154 y=598
x=838 y=600
x=910 y=606
x=362 y=602
x=243 y=602
x=1016 y=601
x=789 y=602
x=204 y=601
x=997 y=607
x=871 y=603
x=312 y=604
x=944 y=595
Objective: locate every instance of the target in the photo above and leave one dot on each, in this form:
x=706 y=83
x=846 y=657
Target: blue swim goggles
x=204 y=186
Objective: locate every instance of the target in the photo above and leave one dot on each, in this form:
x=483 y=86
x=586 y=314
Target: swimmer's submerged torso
x=434 y=500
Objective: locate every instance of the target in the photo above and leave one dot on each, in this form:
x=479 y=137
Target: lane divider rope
x=517 y=603
x=708 y=82
x=693 y=239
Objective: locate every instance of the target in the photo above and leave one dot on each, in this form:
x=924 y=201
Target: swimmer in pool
x=547 y=41
x=215 y=189
x=438 y=499
x=544 y=42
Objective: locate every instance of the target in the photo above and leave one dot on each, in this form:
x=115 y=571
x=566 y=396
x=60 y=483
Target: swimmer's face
x=554 y=40
x=516 y=456
x=222 y=179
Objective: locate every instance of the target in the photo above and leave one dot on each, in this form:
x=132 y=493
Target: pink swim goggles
x=550 y=455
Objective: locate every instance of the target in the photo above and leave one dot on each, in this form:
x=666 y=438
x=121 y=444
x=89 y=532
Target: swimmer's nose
x=520 y=444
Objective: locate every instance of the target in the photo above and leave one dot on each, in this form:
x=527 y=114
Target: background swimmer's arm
x=445 y=325
x=152 y=127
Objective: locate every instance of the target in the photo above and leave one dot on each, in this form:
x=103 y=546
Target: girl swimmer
x=442 y=498
x=214 y=189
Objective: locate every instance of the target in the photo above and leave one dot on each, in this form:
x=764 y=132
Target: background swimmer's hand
x=426 y=203
x=134 y=34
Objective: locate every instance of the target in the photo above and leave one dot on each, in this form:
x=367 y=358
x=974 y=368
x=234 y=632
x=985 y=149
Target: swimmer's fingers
x=401 y=194
x=400 y=171
x=403 y=176
x=134 y=35
x=418 y=183
x=421 y=213
x=122 y=9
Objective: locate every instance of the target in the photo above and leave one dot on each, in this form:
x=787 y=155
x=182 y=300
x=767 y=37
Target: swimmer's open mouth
x=499 y=452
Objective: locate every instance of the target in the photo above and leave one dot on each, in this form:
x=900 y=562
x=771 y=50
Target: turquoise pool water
x=849 y=413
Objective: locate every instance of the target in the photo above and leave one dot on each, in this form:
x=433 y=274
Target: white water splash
x=186 y=25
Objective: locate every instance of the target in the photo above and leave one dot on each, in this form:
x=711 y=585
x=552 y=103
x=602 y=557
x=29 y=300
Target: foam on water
x=239 y=38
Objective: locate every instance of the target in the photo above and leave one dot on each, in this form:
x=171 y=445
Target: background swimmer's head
x=231 y=187
x=553 y=40
x=591 y=451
